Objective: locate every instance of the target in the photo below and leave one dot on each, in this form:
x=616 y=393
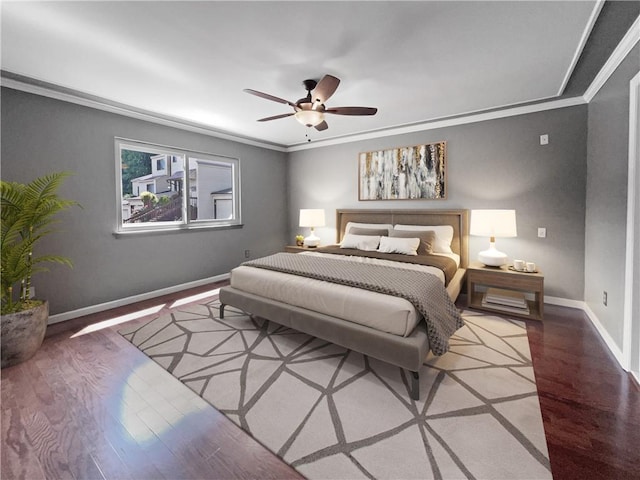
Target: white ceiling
x=414 y=61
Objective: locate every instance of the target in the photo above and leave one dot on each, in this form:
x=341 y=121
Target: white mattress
x=383 y=312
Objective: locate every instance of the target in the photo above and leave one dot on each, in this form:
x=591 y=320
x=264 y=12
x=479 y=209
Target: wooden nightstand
x=502 y=277
x=297 y=249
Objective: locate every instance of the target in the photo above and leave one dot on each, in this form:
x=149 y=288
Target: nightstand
x=297 y=249
x=481 y=276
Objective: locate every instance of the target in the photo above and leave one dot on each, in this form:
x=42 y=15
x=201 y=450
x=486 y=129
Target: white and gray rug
x=333 y=413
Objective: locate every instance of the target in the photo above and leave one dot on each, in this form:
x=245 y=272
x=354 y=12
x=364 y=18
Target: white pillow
x=444 y=235
x=361 y=242
x=406 y=246
x=376 y=226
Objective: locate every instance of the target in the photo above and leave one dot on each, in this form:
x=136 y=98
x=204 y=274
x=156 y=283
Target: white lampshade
x=493 y=223
x=311 y=217
x=309 y=118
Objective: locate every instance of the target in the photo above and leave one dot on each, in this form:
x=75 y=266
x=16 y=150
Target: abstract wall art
x=404 y=173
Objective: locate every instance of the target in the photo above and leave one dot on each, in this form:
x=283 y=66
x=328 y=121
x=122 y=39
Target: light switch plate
x=544 y=139
x=542 y=232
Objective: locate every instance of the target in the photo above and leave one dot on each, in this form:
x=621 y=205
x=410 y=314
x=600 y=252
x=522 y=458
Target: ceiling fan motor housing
x=309 y=84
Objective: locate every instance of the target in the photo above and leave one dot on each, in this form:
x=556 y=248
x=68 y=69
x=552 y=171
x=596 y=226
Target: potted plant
x=27 y=213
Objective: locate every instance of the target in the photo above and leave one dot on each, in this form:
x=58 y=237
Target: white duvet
x=383 y=312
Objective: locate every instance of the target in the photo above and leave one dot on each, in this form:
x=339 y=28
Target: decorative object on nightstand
x=492 y=224
x=299 y=240
x=312 y=217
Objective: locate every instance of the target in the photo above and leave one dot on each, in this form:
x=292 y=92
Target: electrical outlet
x=247 y=253
x=542 y=232
x=544 y=139
x=604 y=298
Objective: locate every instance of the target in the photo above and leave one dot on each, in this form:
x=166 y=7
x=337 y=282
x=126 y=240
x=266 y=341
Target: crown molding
x=432 y=125
x=29 y=85
x=632 y=37
x=619 y=54
x=583 y=41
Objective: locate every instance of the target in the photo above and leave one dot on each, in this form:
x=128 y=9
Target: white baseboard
x=608 y=340
x=615 y=350
x=564 y=302
x=61 y=317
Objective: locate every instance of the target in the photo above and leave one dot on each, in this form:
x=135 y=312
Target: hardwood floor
x=92 y=406
x=590 y=406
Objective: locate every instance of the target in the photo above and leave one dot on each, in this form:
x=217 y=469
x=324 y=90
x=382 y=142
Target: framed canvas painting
x=404 y=173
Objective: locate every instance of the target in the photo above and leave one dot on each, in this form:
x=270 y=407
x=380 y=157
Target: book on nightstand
x=506 y=301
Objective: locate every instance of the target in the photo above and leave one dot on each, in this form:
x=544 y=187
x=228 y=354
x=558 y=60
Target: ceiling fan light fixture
x=309 y=118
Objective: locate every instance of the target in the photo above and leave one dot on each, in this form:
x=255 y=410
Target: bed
x=364 y=327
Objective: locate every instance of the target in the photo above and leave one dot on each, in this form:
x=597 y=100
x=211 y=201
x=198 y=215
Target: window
x=161 y=164
x=165 y=188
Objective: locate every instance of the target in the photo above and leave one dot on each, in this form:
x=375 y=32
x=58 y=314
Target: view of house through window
x=161 y=187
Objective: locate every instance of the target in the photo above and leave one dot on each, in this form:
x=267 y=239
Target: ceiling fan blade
x=352 y=110
x=275 y=117
x=321 y=126
x=325 y=88
x=268 y=97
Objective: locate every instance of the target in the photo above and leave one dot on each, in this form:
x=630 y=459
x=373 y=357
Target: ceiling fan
x=311 y=109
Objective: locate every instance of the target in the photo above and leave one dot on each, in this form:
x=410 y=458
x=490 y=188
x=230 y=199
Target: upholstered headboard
x=458 y=219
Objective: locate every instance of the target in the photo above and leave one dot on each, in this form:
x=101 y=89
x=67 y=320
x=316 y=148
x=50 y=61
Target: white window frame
x=186 y=223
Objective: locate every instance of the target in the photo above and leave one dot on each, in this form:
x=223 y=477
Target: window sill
x=173 y=229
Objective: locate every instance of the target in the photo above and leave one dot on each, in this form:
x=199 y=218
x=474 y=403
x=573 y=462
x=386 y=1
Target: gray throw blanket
x=424 y=291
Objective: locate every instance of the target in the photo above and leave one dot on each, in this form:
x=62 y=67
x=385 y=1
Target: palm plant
x=27 y=212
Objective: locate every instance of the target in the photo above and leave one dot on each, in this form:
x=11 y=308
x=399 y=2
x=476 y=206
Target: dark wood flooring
x=590 y=406
x=80 y=409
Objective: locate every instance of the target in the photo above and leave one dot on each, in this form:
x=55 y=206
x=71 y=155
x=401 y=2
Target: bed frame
x=405 y=352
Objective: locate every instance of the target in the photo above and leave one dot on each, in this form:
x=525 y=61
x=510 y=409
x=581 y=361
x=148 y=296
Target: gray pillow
x=372 y=232
x=427 y=239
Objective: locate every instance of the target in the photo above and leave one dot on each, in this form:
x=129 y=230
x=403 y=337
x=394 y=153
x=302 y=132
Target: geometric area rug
x=333 y=413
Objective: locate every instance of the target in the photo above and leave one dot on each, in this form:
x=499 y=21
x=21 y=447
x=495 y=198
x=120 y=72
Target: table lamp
x=492 y=224
x=311 y=217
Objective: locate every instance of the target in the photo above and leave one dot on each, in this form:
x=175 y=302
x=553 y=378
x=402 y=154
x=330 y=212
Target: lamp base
x=492 y=258
x=312 y=241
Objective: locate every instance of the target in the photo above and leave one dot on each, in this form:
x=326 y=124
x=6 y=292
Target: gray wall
x=493 y=164
x=607 y=175
x=41 y=135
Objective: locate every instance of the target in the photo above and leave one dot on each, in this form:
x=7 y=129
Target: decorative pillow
x=378 y=226
x=427 y=239
x=361 y=242
x=444 y=235
x=406 y=246
x=376 y=232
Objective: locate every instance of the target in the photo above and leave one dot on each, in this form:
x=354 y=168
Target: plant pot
x=22 y=334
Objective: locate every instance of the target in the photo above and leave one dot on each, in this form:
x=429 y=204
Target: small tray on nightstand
x=511 y=267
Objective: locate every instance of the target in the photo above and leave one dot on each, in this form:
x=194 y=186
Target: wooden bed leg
x=415 y=385
x=222 y=310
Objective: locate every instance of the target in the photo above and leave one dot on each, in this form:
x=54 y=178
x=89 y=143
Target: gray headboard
x=458 y=219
